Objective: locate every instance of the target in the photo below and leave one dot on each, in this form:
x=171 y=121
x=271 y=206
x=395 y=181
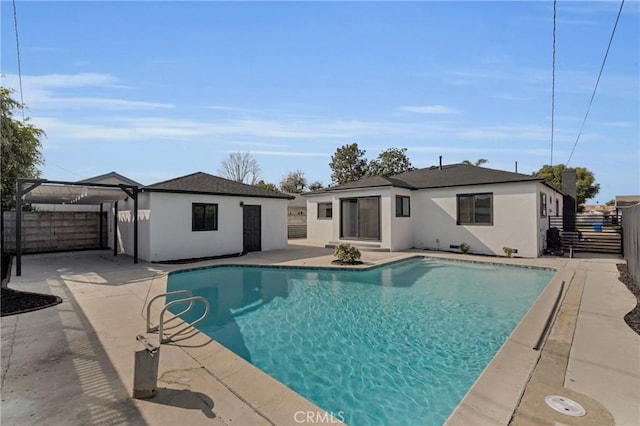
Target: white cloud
x=231 y=108
x=289 y=153
x=47 y=91
x=472 y=150
x=267 y=144
x=429 y=109
x=619 y=124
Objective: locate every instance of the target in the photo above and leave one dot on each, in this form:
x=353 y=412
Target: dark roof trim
x=226 y=194
x=547 y=184
x=483 y=183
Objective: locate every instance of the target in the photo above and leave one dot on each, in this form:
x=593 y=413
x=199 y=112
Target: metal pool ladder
x=190 y=299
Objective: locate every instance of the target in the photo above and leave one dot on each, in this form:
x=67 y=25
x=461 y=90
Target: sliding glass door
x=360 y=218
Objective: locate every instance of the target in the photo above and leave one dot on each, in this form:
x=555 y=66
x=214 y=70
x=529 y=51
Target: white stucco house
x=437 y=208
x=201 y=215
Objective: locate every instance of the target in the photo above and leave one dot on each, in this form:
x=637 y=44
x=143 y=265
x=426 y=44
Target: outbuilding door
x=251 y=228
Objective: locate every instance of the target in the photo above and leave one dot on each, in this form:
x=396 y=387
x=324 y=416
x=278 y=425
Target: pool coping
x=95 y=285
x=515 y=360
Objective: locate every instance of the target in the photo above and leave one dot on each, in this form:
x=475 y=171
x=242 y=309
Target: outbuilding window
x=403 y=206
x=325 y=210
x=204 y=217
x=543 y=204
x=475 y=209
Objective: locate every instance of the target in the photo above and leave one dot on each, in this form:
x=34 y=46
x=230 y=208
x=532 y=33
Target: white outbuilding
x=201 y=215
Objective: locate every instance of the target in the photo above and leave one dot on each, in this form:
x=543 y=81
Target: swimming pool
x=396 y=344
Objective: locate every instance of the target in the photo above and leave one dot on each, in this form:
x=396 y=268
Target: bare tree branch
x=241 y=167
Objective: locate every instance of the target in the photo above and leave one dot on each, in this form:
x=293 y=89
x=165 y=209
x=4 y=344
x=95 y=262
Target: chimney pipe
x=440 y=166
x=516 y=167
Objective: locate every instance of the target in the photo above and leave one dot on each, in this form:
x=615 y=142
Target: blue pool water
x=396 y=345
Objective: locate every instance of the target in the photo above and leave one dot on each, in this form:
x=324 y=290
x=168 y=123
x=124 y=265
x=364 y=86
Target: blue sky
x=156 y=90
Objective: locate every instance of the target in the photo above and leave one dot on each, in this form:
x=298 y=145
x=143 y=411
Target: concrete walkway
x=72 y=364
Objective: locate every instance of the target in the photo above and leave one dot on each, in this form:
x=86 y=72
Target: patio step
x=361 y=246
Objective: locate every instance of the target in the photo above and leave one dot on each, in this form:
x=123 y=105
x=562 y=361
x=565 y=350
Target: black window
x=204 y=217
x=325 y=210
x=475 y=209
x=543 y=204
x=403 y=206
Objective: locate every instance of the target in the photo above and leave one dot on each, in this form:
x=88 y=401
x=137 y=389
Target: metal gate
x=591 y=233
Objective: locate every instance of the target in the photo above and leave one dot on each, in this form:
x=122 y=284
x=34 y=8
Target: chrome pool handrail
x=547 y=324
x=171 y=293
x=161 y=338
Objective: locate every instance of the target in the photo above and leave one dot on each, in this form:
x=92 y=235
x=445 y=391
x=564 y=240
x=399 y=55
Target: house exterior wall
x=395 y=233
x=274 y=221
x=543 y=221
x=515 y=220
x=402 y=227
x=125 y=226
x=321 y=230
x=165 y=226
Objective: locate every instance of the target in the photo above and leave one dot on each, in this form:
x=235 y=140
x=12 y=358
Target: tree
x=268 y=186
x=348 y=164
x=479 y=162
x=315 y=186
x=294 y=182
x=20 y=149
x=586 y=187
x=391 y=162
x=241 y=167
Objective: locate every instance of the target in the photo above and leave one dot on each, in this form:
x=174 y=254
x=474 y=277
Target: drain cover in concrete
x=565 y=405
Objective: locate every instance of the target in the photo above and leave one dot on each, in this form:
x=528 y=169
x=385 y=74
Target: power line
x=593 y=95
x=15 y=24
x=49 y=163
x=553 y=78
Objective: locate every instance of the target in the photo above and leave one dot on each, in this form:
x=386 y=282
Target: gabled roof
x=204 y=183
x=372 y=182
x=461 y=175
x=112 y=177
x=436 y=177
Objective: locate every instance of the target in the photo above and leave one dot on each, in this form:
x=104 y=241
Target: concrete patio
x=72 y=364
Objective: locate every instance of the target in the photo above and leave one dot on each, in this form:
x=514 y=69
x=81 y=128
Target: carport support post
x=19 y=228
x=100 y=237
x=115 y=229
x=135 y=224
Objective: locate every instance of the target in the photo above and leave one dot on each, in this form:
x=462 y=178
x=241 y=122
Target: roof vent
x=440 y=166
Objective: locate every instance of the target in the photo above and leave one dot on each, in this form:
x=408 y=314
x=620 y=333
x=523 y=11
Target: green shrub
x=346 y=253
x=464 y=248
x=508 y=251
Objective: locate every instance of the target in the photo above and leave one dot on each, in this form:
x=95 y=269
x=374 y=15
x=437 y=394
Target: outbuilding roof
x=204 y=183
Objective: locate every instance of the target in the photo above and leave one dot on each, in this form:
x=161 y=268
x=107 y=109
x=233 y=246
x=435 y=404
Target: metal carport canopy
x=66 y=194
x=42 y=191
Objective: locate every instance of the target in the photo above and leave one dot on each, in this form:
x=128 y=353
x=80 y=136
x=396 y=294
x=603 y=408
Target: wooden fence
x=55 y=231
